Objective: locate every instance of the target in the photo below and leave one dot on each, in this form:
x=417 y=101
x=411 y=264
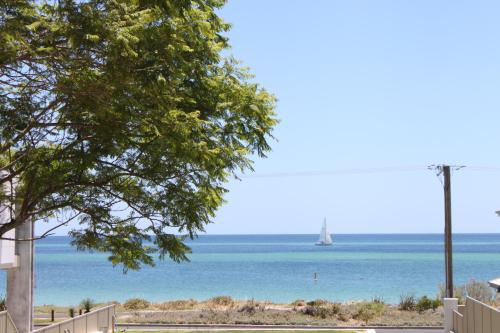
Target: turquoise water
x=278 y=268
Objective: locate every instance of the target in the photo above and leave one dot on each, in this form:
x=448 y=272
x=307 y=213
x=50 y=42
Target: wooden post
x=448 y=233
x=52 y=315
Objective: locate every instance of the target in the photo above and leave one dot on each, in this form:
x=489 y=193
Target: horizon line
x=346 y=233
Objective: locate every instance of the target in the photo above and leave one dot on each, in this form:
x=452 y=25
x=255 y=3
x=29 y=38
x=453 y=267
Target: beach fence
x=101 y=320
x=476 y=317
x=6 y=323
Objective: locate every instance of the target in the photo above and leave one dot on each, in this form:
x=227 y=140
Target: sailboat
x=324 y=237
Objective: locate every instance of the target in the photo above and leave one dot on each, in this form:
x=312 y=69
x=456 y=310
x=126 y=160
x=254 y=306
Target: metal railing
x=476 y=317
x=100 y=320
x=6 y=323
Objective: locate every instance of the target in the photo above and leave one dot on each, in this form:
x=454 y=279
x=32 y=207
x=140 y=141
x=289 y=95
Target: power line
x=337 y=172
x=440 y=170
x=484 y=168
x=374 y=170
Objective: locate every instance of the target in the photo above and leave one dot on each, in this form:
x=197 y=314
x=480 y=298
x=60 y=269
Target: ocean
x=278 y=268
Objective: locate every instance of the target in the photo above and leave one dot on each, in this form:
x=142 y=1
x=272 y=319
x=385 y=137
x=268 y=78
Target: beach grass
x=226 y=310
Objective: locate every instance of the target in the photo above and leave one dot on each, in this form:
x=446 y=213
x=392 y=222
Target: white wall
x=7 y=247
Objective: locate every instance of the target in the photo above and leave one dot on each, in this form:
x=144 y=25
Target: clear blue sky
x=367 y=84
x=364 y=84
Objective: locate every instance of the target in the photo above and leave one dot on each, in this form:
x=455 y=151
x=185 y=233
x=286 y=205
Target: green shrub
x=251 y=307
x=221 y=300
x=424 y=303
x=71 y=312
x=87 y=304
x=436 y=303
x=318 y=302
x=248 y=308
x=378 y=299
x=344 y=316
x=178 y=305
x=136 y=304
x=407 y=303
x=324 y=310
x=368 y=311
x=298 y=302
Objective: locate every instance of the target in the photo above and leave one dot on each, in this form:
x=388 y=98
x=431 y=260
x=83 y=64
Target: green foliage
x=322 y=309
x=407 y=303
x=251 y=307
x=368 y=311
x=125 y=117
x=424 y=303
x=136 y=304
x=436 y=303
x=87 y=304
x=71 y=312
x=318 y=302
x=178 y=305
x=298 y=302
x=221 y=301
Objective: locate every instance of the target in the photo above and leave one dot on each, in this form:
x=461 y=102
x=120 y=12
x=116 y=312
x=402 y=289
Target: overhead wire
x=373 y=170
x=336 y=172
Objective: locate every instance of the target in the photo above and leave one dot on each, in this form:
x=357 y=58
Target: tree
x=125 y=116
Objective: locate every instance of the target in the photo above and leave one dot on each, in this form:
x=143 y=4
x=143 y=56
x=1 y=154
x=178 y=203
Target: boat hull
x=322 y=244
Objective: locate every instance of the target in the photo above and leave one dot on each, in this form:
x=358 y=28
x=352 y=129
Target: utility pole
x=448 y=249
x=445 y=170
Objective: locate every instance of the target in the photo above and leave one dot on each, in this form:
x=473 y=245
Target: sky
x=363 y=85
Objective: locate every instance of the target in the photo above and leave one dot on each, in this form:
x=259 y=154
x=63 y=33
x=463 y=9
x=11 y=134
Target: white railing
x=458 y=320
x=6 y=323
x=100 y=320
x=476 y=317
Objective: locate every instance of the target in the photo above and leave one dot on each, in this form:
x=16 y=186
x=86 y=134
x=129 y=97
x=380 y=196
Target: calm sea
x=278 y=268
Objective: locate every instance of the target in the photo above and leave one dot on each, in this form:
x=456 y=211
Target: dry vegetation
x=410 y=311
x=224 y=310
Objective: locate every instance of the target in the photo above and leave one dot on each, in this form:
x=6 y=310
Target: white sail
x=324 y=237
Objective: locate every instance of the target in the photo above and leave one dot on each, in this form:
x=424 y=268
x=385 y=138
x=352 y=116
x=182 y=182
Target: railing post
x=449 y=304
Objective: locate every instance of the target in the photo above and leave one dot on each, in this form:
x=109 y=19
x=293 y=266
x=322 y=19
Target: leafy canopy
x=124 y=115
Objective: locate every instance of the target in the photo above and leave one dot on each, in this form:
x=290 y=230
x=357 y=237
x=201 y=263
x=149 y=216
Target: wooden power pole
x=447 y=232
